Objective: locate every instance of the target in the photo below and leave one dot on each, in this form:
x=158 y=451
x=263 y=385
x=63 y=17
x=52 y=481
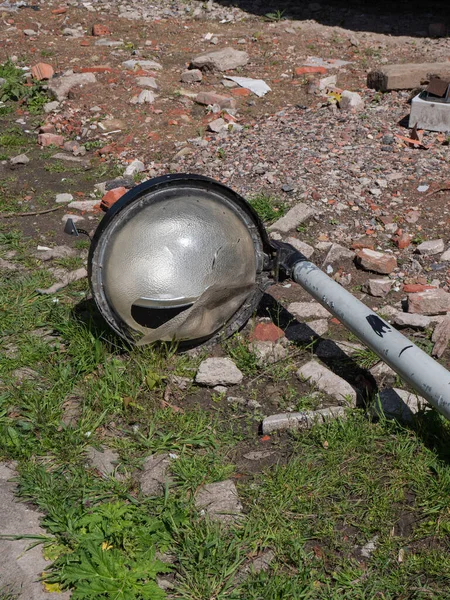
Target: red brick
x=111 y=197
x=48 y=139
x=412 y=288
x=42 y=71
x=100 y=30
x=59 y=11
x=402 y=241
x=371 y=260
x=47 y=128
x=240 y=92
x=85 y=43
x=299 y=71
x=364 y=242
x=266 y=332
x=429 y=302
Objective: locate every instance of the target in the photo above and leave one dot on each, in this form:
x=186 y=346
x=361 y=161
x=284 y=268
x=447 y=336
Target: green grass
x=328 y=493
x=16 y=89
x=268 y=208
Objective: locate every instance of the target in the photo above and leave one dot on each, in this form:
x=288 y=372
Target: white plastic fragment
x=258 y=86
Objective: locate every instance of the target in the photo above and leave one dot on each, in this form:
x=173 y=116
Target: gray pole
x=414 y=366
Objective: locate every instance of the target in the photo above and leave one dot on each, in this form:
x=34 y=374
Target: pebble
x=294 y=217
x=63 y=198
x=431 y=247
x=20 y=159
x=147 y=82
x=218 y=371
x=145 y=97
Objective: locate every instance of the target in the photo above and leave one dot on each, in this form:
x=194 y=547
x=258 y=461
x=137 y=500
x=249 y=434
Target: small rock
x=429 y=302
x=83 y=205
x=109 y=125
x=61 y=86
x=21 y=159
x=399 y=404
x=415 y=321
x=145 y=97
x=378 y=287
x=302 y=247
x=147 y=82
x=338 y=254
x=327 y=82
x=50 y=139
x=63 y=198
x=296 y=215
x=441 y=337
x=301 y=420
x=445 y=256
x=74 y=218
x=268 y=353
x=51 y=106
x=218 y=371
x=371 y=260
x=258 y=455
x=328 y=382
x=29 y=32
x=431 y=247
x=142 y=64
x=217 y=125
x=308 y=310
x=191 y=76
x=42 y=71
x=220 y=501
x=104 y=461
x=154 y=476
x=368 y=549
x=319 y=326
x=351 y=101
x=56 y=252
x=261 y=563
x=137 y=166
x=211 y=98
x=221 y=60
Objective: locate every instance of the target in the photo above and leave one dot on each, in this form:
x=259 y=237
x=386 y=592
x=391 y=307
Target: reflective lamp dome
x=177 y=258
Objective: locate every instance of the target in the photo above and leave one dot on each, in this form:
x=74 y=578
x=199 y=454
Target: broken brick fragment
x=50 y=139
x=111 y=197
x=42 y=71
x=266 y=332
x=299 y=71
x=100 y=30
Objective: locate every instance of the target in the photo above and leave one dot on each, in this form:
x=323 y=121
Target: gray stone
x=319 y=326
x=21 y=159
x=191 y=76
x=154 y=476
x=301 y=420
x=221 y=60
x=70 y=32
x=147 y=82
x=84 y=205
x=75 y=218
x=258 y=455
x=406 y=76
x=431 y=247
x=69 y=158
x=61 y=86
x=109 y=43
x=378 y=287
x=328 y=382
x=51 y=106
x=268 y=352
x=400 y=404
x=308 y=310
x=142 y=64
x=21 y=568
x=29 y=32
x=56 y=252
x=302 y=247
x=369 y=548
x=351 y=101
x=441 y=337
x=298 y=214
x=445 y=256
x=136 y=166
x=104 y=461
x=337 y=254
x=217 y=125
x=220 y=501
x=415 y=321
x=62 y=198
x=218 y=371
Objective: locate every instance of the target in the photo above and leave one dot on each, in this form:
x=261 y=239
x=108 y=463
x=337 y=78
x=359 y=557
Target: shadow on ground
x=401 y=18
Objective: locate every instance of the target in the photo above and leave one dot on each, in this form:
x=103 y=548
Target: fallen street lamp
x=183 y=257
